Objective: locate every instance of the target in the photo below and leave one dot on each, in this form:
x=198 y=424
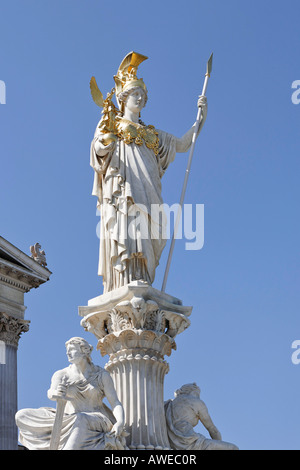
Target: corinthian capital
x=11 y=329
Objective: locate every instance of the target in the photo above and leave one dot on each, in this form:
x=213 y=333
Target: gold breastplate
x=131 y=132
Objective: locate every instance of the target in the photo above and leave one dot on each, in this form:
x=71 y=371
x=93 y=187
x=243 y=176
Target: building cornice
x=20 y=270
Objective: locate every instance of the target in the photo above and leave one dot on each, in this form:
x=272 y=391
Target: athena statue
x=129 y=159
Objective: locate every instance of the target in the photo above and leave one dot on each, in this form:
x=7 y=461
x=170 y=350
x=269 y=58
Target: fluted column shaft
x=10 y=331
x=8 y=398
x=139 y=382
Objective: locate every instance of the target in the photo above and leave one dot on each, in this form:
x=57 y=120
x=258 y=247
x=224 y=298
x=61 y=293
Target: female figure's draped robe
x=86 y=401
x=127 y=183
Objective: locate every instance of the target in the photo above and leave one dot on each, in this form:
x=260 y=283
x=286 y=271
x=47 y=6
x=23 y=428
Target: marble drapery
x=85 y=405
x=127 y=183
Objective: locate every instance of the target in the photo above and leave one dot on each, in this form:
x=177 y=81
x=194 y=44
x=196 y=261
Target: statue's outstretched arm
x=184 y=143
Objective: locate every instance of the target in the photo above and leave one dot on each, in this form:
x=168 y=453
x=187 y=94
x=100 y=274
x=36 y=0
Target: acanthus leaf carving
x=11 y=328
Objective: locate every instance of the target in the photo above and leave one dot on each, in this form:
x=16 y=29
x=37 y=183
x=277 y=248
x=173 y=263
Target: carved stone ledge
x=21 y=277
x=11 y=329
x=14 y=282
x=144 y=342
x=135 y=307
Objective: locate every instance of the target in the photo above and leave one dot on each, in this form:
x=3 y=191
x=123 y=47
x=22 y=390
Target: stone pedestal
x=136 y=326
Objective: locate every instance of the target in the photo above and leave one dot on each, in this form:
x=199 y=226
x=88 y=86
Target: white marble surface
x=183 y=413
x=136 y=326
x=81 y=421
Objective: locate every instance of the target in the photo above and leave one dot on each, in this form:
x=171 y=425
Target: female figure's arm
x=184 y=143
x=101 y=149
x=58 y=387
x=100 y=154
x=114 y=402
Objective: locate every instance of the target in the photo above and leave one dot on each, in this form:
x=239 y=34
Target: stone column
x=138 y=369
x=136 y=325
x=10 y=331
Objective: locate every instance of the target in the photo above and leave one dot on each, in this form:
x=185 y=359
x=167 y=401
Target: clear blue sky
x=244 y=283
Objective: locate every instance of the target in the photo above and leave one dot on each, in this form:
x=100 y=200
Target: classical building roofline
x=20 y=270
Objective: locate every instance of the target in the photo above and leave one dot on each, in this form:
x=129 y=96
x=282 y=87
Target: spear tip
x=209 y=65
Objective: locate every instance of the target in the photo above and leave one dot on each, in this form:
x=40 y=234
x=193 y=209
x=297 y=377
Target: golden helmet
x=126 y=76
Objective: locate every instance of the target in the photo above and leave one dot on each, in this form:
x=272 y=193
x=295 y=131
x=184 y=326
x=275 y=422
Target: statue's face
x=136 y=101
x=74 y=353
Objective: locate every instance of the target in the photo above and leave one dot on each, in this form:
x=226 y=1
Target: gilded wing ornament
x=107 y=124
x=96 y=93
